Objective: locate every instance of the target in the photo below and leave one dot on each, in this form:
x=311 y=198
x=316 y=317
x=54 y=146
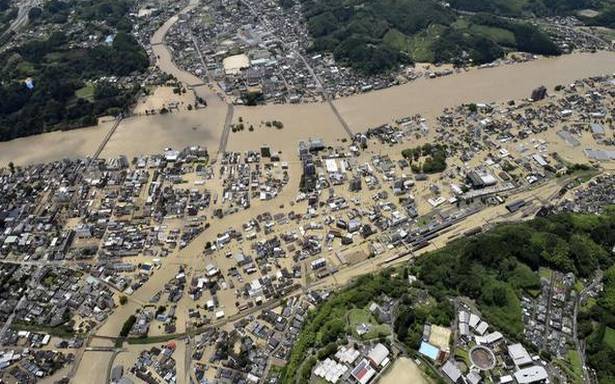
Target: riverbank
x=149 y=134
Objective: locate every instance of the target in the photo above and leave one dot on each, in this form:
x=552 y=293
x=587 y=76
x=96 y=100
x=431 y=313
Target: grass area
x=609 y=337
x=26 y=68
x=508 y=317
x=151 y=339
x=86 y=92
x=533 y=292
x=59 y=331
x=588 y=305
x=462 y=354
x=545 y=272
x=499 y=35
x=418 y=46
x=571 y=365
x=395 y=39
x=359 y=316
x=575 y=362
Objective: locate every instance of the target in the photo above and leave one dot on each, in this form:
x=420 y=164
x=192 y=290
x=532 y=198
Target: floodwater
x=150 y=134
x=429 y=96
x=404 y=371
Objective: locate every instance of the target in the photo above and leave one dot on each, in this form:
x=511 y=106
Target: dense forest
x=376 y=36
x=529 y=8
x=494 y=269
x=52 y=84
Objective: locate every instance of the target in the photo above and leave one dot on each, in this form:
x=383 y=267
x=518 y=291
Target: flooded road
x=205 y=127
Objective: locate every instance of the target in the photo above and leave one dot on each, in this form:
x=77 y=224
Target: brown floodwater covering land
x=152 y=134
x=429 y=96
x=300 y=121
x=52 y=146
x=148 y=134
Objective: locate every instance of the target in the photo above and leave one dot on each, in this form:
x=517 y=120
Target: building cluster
x=592 y=198
x=259 y=52
x=246 y=178
x=569 y=34
x=29 y=366
x=153 y=366
x=549 y=318
x=247 y=351
x=481 y=353
x=46 y=297
x=350 y=365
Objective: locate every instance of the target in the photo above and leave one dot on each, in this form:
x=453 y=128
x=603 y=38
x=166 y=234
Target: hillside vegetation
x=48 y=84
x=376 y=36
x=494 y=269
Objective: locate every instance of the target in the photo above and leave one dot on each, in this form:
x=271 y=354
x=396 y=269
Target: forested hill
x=375 y=36
x=494 y=270
x=55 y=82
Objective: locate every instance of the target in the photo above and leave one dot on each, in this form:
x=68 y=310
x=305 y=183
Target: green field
x=609 y=337
x=499 y=35
x=358 y=316
x=87 y=92
x=571 y=365
x=545 y=272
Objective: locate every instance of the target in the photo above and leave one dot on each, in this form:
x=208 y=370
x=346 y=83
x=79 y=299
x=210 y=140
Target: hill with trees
x=493 y=269
x=377 y=36
x=57 y=83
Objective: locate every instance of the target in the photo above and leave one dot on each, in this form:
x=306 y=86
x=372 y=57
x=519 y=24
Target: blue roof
x=429 y=350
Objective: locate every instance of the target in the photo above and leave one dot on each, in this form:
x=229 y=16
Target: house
x=531 y=375
x=363 y=372
x=451 y=371
x=597 y=130
x=378 y=356
x=519 y=355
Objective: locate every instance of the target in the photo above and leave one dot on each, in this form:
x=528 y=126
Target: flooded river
x=428 y=97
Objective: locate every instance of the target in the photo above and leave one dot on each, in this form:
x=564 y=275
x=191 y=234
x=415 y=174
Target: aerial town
x=192 y=248
x=263 y=214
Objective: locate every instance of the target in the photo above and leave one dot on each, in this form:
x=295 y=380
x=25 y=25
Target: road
x=228 y=121
x=22 y=17
x=106 y=139
x=327 y=98
x=587 y=378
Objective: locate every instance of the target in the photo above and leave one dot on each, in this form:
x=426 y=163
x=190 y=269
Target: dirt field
x=404 y=371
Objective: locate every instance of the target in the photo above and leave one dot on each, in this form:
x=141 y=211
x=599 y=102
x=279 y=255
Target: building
x=539 y=93
x=531 y=375
x=379 y=356
x=597 y=130
x=330 y=370
x=318 y=263
x=363 y=372
x=481 y=179
x=451 y=371
x=519 y=355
